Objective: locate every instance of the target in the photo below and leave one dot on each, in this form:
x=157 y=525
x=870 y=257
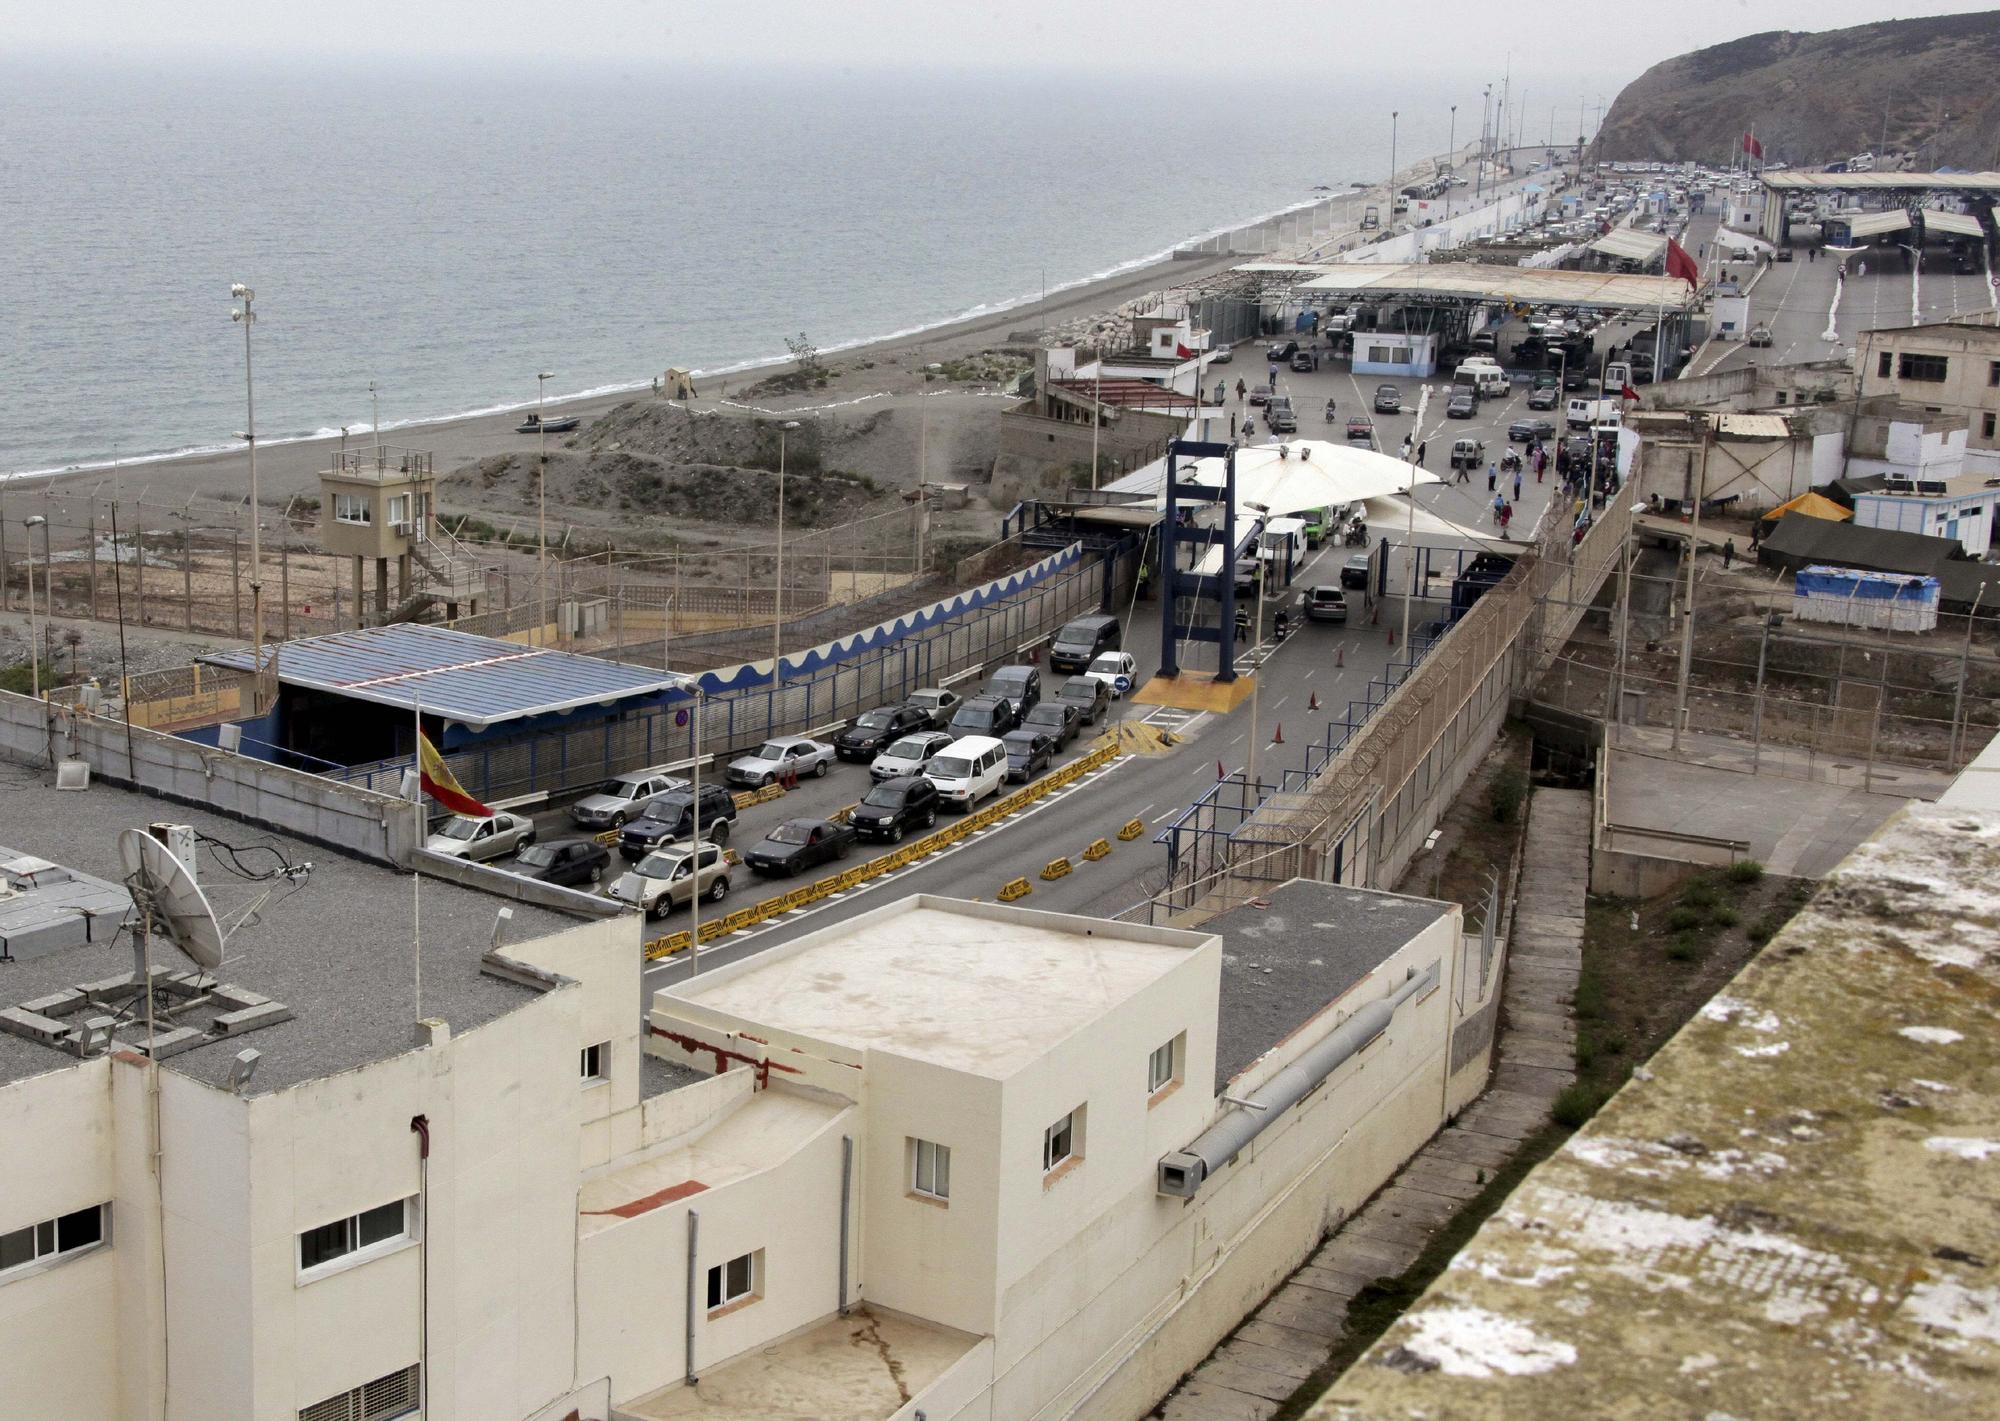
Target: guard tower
x=376 y=503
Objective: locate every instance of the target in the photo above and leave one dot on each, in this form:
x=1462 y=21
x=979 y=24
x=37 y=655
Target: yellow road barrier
x=608 y=838
x=1132 y=830
x=1099 y=848
x=667 y=946
x=1014 y=888
x=1056 y=868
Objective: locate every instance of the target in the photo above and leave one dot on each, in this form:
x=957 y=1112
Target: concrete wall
x=368 y=825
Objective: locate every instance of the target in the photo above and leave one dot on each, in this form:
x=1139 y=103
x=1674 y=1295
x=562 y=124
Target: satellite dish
x=168 y=898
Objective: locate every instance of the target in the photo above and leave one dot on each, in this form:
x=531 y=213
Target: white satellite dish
x=168 y=899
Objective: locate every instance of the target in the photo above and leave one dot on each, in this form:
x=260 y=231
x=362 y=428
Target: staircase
x=451 y=572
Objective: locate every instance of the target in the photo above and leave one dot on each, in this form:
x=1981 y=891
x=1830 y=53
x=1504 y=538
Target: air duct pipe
x=1183 y=1172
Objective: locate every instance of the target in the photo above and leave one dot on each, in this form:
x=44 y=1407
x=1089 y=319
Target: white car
x=909 y=755
x=1221 y=355
x=1117 y=670
x=666 y=880
x=780 y=758
x=464 y=837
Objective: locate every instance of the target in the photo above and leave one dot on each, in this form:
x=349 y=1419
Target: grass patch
x=1506 y=794
x=1682 y=918
x=1685 y=947
x=1744 y=871
x=1700 y=894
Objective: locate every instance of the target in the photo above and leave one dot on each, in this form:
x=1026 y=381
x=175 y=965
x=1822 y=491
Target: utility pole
x=1410 y=523
x=1451 y=162
x=542 y=379
x=1687 y=613
x=246 y=317
x=778 y=605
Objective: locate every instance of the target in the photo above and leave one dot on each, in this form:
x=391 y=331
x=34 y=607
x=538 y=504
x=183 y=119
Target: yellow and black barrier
x=1097 y=849
x=1014 y=888
x=1056 y=868
x=1132 y=830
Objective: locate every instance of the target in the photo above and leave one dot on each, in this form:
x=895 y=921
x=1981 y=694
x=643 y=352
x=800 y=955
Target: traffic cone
x=1375 y=615
x=1313 y=704
x=1339 y=657
x=1220 y=773
x=1279 y=738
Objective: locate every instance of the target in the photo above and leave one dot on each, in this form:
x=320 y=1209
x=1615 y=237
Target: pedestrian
x=1423 y=449
x=1221 y=391
x=1274 y=374
x=1492 y=477
x=1756 y=534
x=1499 y=502
x=1728 y=554
x=1861 y=267
x=1464 y=473
x=1506 y=516
x=1517 y=485
x=1241 y=388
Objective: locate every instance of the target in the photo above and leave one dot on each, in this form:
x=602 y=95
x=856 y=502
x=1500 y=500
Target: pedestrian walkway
x=1273 y=1351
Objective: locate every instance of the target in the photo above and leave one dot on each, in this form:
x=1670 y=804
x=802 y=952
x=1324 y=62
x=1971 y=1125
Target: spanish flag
x=440 y=784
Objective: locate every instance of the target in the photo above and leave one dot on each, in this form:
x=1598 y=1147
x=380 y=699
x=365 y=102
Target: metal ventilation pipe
x=1183 y=1172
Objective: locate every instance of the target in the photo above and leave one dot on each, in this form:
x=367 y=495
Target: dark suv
x=895 y=807
x=983 y=715
x=1090 y=696
x=876 y=730
x=1019 y=686
x=671 y=817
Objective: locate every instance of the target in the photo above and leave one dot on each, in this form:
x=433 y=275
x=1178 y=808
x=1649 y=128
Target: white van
x=967 y=770
x=1484 y=374
x=1280 y=534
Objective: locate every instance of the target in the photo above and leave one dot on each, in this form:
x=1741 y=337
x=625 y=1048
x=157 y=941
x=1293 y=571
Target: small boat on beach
x=535 y=424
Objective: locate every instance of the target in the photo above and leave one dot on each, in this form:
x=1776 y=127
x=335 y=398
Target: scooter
x=1510 y=463
x=1356 y=535
x=1329 y=411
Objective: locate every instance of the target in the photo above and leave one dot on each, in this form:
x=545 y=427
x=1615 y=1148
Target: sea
x=446 y=232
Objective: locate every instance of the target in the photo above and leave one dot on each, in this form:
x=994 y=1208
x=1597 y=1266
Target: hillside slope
x=1812 y=98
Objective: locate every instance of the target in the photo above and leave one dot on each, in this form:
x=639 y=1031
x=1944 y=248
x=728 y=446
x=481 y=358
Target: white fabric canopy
x=1310 y=474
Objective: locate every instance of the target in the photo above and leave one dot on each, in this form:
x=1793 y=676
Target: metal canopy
x=1878 y=224
x=474 y=680
x=1958 y=224
x=1470 y=281
x=1881 y=182
x=1630 y=245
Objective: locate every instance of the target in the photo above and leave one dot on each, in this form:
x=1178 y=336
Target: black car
x=671 y=817
x=896 y=807
x=1544 y=397
x=1523 y=430
x=1028 y=753
x=1356 y=571
x=1019 y=686
x=1090 y=696
x=983 y=715
x=1283 y=352
x=568 y=863
x=799 y=844
x=1575 y=376
x=1388 y=400
x=1058 y=719
x=876 y=730
x=1464 y=405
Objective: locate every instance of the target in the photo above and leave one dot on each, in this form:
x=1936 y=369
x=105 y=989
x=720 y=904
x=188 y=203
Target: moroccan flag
x=1626 y=392
x=1183 y=352
x=1752 y=146
x=1680 y=264
x=440 y=784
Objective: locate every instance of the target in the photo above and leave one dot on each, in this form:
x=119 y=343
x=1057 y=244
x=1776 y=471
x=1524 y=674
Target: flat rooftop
x=1789 y=1213
x=336 y=949
x=1306 y=946
x=977 y=987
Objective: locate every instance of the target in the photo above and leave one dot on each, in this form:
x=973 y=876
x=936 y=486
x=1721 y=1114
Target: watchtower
x=376 y=503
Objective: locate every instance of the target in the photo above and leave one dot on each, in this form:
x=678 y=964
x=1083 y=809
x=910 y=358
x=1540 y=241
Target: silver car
x=622 y=798
x=666 y=880
x=909 y=755
x=464 y=837
x=781 y=758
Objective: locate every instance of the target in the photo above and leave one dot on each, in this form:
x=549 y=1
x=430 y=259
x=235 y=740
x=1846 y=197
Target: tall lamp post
x=1393 y=115
x=1410 y=527
x=778 y=605
x=31 y=523
x=246 y=317
x=1263 y=513
x=1451 y=162
x=542 y=378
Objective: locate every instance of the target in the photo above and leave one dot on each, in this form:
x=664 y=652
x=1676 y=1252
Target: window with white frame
x=596 y=1063
x=1063 y=1141
x=1163 y=1067
x=930 y=1169
x=383 y=1399
x=350 y=508
x=50 y=1240
x=358 y=1237
x=399 y=509
x=735 y=1280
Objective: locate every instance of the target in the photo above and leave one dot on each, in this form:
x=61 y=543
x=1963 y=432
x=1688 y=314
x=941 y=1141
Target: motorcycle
x=1329 y=411
x=1356 y=535
x=1511 y=462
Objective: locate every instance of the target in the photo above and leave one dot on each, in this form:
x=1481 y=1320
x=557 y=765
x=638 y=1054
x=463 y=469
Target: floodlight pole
x=778 y=606
x=246 y=317
x=1410 y=527
x=34 y=624
x=542 y=379
x=694 y=852
x=1450 y=162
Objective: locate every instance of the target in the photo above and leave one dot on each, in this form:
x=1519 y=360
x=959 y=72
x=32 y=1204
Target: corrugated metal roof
x=1752 y=426
x=1877 y=224
x=1855 y=182
x=474 y=680
x=1473 y=282
x=1630 y=245
x=1959 y=224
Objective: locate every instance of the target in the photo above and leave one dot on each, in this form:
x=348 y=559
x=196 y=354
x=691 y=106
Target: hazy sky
x=1307 y=43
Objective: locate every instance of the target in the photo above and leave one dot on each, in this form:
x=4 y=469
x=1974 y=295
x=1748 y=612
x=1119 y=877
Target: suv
x=983 y=715
x=667 y=879
x=1090 y=696
x=671 y=818
x=617 y=800
x=1326 y=604
x=894 y=807
x=1280 y=416
x=935 y=703
x=1303 y=362
x=876 y=730
x=1388 y=400
x=909 y=755
x=1077 y=643
x=1019 y=686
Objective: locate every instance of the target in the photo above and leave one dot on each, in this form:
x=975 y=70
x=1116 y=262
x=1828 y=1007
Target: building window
x=735 y=1280
x=1885 y=363
x=380 y=1400
x=399 y=509
x=358 y=1237
x=1986 y=425
x=349 y=509
x=1993 y=372
x=597 y=1063
x=53 y=1239
x=1063 y=1141
x=930 y=1169
x=1163 y=1067
x=1922 y=367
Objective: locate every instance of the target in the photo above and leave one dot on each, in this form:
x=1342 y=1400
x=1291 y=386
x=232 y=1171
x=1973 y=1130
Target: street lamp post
x=542 y=379
x=694 y=848
x=1450 y=162
x=1479 y=163
x=246 y=317
x=778 y=605
x=1393 y=115
x=34 y=625
x=1257 y=675
x=1410 y=527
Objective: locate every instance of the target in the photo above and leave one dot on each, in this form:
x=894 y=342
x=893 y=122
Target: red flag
x=1680 y=264
x=1752 y=146
x=1183 y=352
x=443 y=786
x=1626 y=392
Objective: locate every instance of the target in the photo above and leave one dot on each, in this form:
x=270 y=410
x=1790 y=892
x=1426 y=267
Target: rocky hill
x=1812 y=98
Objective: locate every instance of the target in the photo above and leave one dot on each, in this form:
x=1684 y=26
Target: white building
x=953 y=1158
x=1961 y=507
